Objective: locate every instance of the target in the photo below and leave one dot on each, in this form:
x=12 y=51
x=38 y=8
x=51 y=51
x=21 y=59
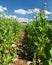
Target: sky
x=25 y=9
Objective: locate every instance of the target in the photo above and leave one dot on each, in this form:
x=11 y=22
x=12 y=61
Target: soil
x=22 y=55
x=22 y=49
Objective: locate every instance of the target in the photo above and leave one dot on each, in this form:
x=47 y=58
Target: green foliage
x=39 y=37
x=10 y=33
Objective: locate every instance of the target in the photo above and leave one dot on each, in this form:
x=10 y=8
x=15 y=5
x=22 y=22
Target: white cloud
x=20 y=19
x=47 y=12
x=5 y=8
x=22 y=11
x=24 y=19
x=14 y=16
x=29 y=11
x=9 y=16
x=2 y=8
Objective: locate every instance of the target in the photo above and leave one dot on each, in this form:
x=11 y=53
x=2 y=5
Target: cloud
x=29 y=11
x=47 y=12
x=11 y=16
x=5 y=8
x=2 y=9
x=24 y=19
x=14 y=16
x=22 y=11
x=20 y=19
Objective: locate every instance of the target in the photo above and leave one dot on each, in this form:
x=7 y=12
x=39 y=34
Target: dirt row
x=22 y=49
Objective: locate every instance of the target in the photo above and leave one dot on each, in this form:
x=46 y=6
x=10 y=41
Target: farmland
x=36 y=35
x=10 y=33
x=39 y=37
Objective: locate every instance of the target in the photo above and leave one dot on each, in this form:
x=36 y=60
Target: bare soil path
x=22 y=50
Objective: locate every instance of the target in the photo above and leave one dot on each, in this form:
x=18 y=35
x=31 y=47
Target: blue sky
x=23 y=8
